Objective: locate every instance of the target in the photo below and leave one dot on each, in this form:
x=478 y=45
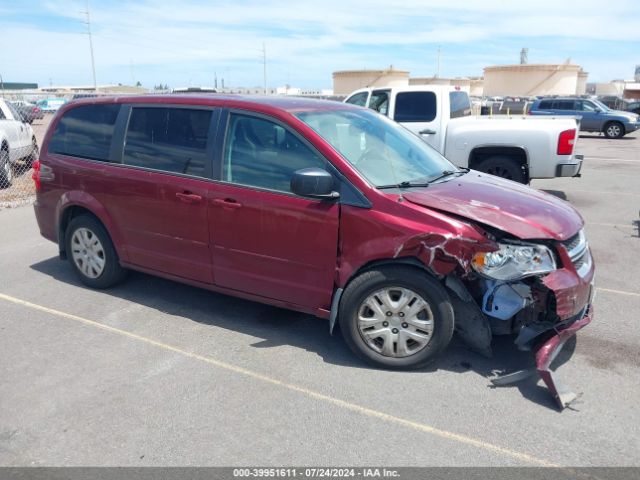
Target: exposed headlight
x=511 y=262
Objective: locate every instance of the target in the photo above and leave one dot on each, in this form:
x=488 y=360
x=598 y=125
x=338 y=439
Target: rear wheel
x=6 y=170
x=614 y=130
x=503 y=167
x=396 y=317
x=91 y=253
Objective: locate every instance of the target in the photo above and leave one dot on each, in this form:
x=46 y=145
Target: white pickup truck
x=17 y=142
x=519 y=148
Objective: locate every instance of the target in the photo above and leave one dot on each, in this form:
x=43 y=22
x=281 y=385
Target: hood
x=622 y=113
x=508 y=206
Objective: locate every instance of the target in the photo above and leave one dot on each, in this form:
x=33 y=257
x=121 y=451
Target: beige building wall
x=473 y=86
x=346 y=81
x=581 y=88
x=532 y=79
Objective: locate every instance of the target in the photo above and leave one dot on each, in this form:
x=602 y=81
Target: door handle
x=188 y=197
x=427 y=131
x=227 y=203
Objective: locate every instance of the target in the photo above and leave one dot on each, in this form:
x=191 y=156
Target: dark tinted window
x=545 y=105
x=85 y=132
x=459 y=104
x=380 y=102
x=415 y=107
x=564 y=105
x=168 y=139
x=263 y=154
x=359 y=99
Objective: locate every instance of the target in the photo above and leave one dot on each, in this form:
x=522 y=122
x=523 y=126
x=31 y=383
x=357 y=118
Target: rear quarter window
x=85 y=132
x=545 y=105
x=415 y=107
x=460 y=105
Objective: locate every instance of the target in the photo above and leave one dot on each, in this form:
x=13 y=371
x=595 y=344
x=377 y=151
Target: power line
x=88 y=32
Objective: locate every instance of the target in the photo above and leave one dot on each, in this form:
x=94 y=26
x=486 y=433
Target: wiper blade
x=447 y=173
x=403 y=185
x=410 y=184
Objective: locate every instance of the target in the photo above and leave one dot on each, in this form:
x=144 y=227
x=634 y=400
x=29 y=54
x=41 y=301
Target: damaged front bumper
x=549 y=350
x=545 y=354
x=544 y=312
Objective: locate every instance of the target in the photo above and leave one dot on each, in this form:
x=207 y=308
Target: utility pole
x=438 y=71
x=88 y=32
x=264 y=66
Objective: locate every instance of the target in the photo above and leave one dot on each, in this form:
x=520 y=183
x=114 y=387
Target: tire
x=395 y=347
x=503 y=167
x=614 y=130
x=6 y=170
x=84 y=253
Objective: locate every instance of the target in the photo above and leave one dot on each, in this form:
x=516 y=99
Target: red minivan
x=319 y=207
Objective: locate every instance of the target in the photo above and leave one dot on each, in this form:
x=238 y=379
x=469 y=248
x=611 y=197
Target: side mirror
x=313 y=182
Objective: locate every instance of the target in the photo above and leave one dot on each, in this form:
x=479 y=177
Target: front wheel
x=503 y=167
x=396 y=317
x=614 y=130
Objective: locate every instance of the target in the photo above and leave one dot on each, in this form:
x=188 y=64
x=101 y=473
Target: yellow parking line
x=598 y=224
x=369 y=412
x=599 y=192
x=620 y=292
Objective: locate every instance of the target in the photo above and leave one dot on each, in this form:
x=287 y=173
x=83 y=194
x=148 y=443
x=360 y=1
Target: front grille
x=573 y=242
x=578 y=250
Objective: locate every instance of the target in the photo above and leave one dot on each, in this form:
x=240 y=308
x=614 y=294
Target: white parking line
x=368 y=412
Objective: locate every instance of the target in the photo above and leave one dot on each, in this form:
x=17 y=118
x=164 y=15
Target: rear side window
x=545 y=105
x=261 y=153
x=415 y=107
x=85 y=132
x=564 y=105
x=459 y=104
x=359 y=99
x=168 y=139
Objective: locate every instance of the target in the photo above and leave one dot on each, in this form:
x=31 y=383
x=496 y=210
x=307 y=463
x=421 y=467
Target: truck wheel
x=614 y=130
x=91 y=253
x=504 y=167
x=6 y=170
x=396 y=317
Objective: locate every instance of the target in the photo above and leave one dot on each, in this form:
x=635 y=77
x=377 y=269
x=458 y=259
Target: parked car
x=633 y=107
x=316 y=206
x=515 y=148
x=17 y=143
x=50 y=105
x=595 y=116
x=28 y=111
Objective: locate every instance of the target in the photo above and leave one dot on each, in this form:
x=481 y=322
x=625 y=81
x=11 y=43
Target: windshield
x=380 y=149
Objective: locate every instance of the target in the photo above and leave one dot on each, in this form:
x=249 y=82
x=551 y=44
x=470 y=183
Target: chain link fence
x=24 y=118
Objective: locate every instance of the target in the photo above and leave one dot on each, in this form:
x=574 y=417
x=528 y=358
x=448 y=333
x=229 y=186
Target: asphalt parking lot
x=157 y=373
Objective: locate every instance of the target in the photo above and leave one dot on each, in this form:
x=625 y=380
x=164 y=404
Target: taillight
x=566 y=141
x=36 y=174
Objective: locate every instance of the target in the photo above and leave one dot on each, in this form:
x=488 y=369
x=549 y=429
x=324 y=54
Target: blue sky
x=188 y=43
